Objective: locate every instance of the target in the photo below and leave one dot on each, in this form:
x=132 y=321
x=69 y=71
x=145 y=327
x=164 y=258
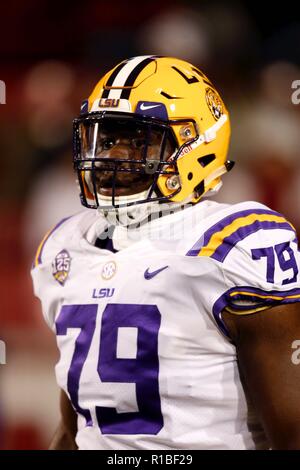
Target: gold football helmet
x=153 y=129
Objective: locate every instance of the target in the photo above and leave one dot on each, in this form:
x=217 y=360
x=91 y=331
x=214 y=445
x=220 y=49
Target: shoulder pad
x=63 y=233
x=242 y=220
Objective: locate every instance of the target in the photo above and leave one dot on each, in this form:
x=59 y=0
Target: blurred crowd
x=51 y=58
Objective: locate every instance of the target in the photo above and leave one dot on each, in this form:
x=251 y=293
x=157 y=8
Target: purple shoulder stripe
x=229 y=242
x=243 y=232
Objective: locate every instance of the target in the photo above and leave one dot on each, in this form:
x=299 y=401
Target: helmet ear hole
x=206 y=159
x=199 y=189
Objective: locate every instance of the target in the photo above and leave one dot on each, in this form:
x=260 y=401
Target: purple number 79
x=142 y=370
x=285 y=264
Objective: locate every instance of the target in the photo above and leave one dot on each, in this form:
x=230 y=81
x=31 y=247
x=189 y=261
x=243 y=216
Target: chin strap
x=216 y=174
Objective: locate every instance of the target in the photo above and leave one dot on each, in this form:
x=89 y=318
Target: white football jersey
x=145 y=356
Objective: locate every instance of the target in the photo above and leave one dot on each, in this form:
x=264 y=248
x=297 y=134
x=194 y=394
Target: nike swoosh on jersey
x=143 y=107
x=148 y=275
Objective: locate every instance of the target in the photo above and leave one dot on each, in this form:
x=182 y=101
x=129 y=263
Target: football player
x=174 y=315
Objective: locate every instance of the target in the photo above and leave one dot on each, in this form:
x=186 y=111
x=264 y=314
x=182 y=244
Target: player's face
x=123 y=149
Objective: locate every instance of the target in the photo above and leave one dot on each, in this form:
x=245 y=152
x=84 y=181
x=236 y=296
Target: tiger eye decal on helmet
x=168 y=123
x=214 y=103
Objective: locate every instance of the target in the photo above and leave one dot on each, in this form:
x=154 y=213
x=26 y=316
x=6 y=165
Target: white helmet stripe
x=123 y=75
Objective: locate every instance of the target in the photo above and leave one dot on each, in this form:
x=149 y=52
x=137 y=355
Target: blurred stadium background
x=52 y=53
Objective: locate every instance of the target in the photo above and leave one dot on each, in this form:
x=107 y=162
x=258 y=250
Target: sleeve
x=44 y=276
x=257 y=251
